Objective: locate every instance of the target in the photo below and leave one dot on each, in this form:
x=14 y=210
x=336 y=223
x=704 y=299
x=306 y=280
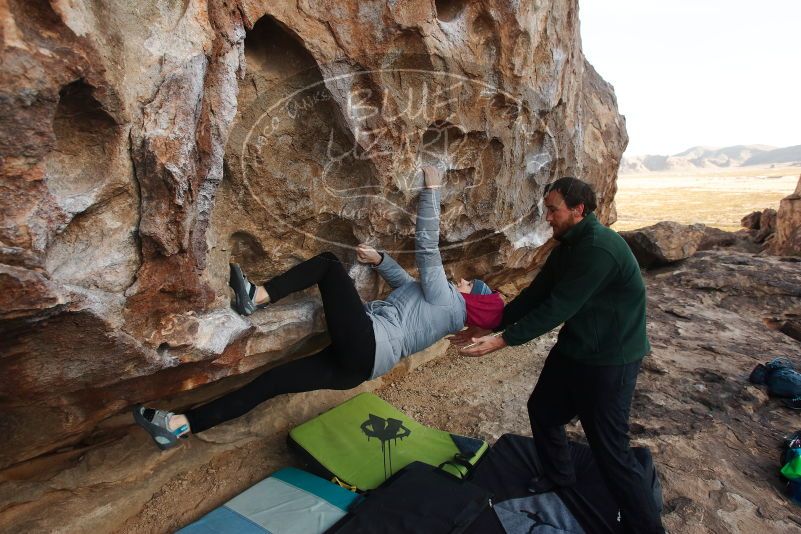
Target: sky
x=699 y=72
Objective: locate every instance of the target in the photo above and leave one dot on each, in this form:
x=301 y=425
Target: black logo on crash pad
x=387 y=431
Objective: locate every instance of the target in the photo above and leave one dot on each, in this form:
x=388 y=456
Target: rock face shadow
x=89 y=174
x=448 y=10
x=84 y=133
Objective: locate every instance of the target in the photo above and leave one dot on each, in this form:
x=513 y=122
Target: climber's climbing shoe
x=156 y=422
x=244 y=291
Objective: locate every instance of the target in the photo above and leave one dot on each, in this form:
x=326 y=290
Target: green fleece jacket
x=591 y=283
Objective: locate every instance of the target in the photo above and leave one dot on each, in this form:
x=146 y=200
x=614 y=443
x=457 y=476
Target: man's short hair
x=575 y=192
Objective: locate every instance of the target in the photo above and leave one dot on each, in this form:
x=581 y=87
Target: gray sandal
x=244 y=291
x=158 y=426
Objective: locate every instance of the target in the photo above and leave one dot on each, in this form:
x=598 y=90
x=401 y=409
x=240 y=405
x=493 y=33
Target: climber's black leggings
x=344 y=364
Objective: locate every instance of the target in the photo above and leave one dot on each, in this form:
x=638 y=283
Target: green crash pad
x=364 y=440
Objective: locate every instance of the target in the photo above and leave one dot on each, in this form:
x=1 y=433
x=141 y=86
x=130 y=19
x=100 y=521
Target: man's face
x=559 y=215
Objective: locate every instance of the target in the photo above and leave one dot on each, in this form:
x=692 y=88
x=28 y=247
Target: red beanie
x=484 y=311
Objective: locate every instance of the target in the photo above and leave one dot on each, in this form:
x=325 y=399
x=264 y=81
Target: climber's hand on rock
x=432 y=176
x=367 y=254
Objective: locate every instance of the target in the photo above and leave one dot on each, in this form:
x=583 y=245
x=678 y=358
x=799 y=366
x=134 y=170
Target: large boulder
x=787 y=238
x=751 y=221
x=767 y=225
x=664 y=242
x=715 y=238
x=147 y=144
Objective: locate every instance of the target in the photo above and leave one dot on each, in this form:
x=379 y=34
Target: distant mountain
x=787 y=154
x=704 y=157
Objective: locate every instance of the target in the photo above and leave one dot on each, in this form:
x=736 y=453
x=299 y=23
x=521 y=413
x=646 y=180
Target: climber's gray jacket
x=416 y=314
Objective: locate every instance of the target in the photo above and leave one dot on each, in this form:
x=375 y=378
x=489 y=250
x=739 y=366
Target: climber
x=367 y=340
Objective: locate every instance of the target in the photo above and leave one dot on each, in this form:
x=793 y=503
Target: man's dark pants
x=601 y=397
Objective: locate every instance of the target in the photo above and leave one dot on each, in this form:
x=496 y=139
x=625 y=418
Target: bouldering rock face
x=787 y=239
x=145 y=145
x=664 y=242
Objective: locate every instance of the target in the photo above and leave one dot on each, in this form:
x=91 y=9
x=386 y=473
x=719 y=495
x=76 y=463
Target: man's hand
x=465 y=337
x=432 y=176
x=367 y=254
x=484 y=345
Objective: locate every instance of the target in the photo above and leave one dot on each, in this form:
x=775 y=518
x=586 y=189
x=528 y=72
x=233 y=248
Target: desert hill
x=704 y=157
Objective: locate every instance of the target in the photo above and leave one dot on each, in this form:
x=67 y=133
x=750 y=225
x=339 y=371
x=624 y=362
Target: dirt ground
x=715 y=197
